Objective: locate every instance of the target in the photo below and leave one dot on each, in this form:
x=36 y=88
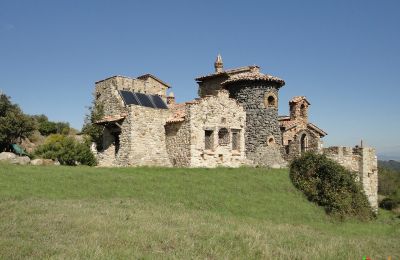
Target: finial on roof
x=218 y=64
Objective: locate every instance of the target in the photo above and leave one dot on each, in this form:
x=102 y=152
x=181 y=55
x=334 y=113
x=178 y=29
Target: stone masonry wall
x=211 y=86
x=106 y=93
x=294 y=145
x=214 y=113
x=147 y=138
x=178 y=143
x=148 y=86
x=261 y=121
x=364 y=162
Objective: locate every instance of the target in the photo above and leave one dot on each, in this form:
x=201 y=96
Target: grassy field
x=79 y=212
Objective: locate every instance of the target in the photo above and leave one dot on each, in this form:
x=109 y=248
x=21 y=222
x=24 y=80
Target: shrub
x=331 y=186
x=66 y=150
x=389 y=203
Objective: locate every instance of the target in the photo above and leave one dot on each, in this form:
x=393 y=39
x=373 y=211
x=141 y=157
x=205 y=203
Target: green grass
x=245 y=213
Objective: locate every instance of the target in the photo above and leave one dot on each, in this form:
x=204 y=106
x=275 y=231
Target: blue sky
x=343 y=55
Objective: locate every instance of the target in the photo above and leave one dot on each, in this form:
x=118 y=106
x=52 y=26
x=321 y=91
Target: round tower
x=258 y=94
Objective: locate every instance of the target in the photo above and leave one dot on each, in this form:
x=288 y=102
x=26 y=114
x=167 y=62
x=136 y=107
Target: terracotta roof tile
x=229 y=72
x=178 y=113
x=145 y=76
x=317 y=129
x=253 y=77
x=111 y=118
x=297 y=99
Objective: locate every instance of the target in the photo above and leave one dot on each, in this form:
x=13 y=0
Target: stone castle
x=234 y=122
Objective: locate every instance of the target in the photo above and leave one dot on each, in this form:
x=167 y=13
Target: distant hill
x=391 y=164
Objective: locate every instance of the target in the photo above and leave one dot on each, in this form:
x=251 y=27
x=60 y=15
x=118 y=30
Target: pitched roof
x=145 y=76
x=287 y=124
x=317 y=129
x=253 y=77
x=178 y=113
x=228 y=72
x=111 y=118
x=297 y=99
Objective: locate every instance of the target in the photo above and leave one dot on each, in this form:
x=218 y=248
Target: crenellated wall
x=362 y=160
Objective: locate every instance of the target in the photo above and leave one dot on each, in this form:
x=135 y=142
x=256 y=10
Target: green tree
x=47 y=127
x=14 y=124
x=94 y=131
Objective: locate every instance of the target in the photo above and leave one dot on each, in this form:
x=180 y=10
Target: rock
x=48 y=162
x=5 y=156
x=38 y=162
x=23 y=160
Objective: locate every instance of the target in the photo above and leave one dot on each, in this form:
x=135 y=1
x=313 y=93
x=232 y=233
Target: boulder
x=5 y=156
x=42 y=162
x=37 y=162
x=21 y=160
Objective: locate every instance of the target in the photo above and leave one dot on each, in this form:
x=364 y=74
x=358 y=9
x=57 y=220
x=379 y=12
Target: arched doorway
x=303 y=143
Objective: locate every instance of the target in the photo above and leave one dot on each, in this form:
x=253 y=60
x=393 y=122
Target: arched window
x=303 y=143
x=270 y=100
x=271 y=141
x=303 y=110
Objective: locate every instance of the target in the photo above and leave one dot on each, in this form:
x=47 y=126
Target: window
x=208 y=140
x=270 y=100
x=271 y=141
x=303 y=110
x=236 y=140
x=303 y=143
x=223 y=136
x=116 y=142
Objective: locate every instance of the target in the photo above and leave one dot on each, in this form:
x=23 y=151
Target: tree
x=14 y=124
x=47 y=127
x=94 y=131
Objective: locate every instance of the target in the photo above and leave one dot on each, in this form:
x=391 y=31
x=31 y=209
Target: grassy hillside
x=79 y=212
x=391 y=164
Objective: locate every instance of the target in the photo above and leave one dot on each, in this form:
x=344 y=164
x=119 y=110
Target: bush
x=331 y=186
x=389 y=203
x=66 y=150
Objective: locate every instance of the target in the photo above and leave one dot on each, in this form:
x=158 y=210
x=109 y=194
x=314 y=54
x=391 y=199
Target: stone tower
x=258 y=94
x=299 y=108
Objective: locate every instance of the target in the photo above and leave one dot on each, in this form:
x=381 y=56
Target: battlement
x=362 y=160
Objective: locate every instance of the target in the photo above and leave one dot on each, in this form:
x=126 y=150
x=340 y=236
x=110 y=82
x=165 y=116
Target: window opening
x=223 y=136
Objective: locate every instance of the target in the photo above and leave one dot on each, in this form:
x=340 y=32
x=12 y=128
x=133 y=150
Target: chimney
x=171 y=99
x=218 y=64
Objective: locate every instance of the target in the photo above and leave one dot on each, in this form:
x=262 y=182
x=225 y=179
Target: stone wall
x=146 y=86
x=106 y=93
x=147 y=138
x=178 y=143
x=293 y=140
x=364 y=162
x=216 y=113
x=261 y=120
x=211 y=86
